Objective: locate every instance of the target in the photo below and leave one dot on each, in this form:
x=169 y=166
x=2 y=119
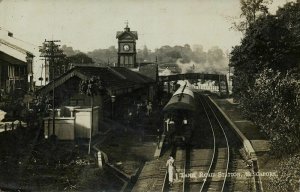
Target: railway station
x=152 y=131
x=174 y=116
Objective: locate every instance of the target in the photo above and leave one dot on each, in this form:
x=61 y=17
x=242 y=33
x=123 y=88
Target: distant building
x=15 y=68
x=127 y=48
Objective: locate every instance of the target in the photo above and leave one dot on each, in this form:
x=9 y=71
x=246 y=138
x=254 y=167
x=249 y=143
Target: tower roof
x=134 y=34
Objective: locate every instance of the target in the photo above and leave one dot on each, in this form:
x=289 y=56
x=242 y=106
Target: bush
x=266 y=76
x=288 y=175
x=274 y=105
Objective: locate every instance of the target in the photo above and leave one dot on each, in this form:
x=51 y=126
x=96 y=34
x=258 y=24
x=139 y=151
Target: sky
x=88 y=25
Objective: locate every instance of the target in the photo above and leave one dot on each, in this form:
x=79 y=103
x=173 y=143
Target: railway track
x=202 y=169
x=212 y=159
x=208 y=154
x=218 y=171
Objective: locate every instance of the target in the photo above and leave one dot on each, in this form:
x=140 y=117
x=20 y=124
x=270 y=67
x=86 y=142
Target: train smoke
x=212 y=61
x=221 y=67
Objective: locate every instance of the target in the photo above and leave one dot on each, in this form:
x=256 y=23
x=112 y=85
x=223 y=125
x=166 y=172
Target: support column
x=1 y=75
x=72 y=112
x=219 y=83
x=227 y=88
x=58 y=112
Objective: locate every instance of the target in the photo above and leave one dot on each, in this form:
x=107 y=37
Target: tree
x=64 y=64
x=145 y=53
x=80 y=58
x=69 y=51
x=266 y=77
x=251 y=10
x=104 y=56
x=269 y=43
x=288 y=175
x=92 y=87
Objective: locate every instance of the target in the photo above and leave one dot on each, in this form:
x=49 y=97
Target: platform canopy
x=117 y=80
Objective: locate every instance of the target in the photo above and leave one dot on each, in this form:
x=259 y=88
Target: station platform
x=258 y=141
x=152 y=175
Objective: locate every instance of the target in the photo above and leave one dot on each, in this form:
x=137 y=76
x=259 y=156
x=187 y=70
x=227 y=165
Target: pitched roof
x=133 y=76
x=10 y=59
x=117 y=80
x=13 y=54
x=133 y=34
x=2 y=41
x=127 y=31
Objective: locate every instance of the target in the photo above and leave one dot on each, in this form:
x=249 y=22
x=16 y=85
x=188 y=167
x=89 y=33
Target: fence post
x=100 y=164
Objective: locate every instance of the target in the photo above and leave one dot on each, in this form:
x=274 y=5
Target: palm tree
x=91 y=87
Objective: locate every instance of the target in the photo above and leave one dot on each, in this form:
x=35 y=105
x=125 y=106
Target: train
x=179 y=115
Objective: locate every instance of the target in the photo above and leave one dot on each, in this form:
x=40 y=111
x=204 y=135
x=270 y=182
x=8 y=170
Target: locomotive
x=179 y=115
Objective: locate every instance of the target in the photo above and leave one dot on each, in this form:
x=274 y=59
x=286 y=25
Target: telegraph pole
x=50 y=51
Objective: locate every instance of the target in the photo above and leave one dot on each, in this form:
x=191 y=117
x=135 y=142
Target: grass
x=36 y=164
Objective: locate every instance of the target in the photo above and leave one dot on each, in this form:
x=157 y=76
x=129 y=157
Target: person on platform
x=149 y=108
x=171 y=169
x=167 y=124
x=171 y=126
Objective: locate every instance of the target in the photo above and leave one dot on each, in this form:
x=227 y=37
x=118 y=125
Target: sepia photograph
x=149 y=95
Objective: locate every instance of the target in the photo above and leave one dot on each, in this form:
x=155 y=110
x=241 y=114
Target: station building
x=15 y=68
x=124 y=90
x=127 y=86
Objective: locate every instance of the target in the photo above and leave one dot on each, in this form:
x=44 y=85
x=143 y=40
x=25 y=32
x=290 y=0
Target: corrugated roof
x=114 y=78
x=133 y=76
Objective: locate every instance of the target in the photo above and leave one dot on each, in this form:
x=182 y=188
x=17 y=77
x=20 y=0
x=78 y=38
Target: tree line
x=266 y=81
x=186 y=54
x=266 y=76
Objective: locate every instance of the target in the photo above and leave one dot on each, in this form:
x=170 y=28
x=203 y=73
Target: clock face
x=126 y=47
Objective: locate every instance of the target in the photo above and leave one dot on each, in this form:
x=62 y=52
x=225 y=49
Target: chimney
x=10 y=34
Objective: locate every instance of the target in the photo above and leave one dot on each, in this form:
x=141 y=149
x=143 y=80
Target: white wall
x=2 y=115
x=83 y=122
x=69 y=128
x=64 y=128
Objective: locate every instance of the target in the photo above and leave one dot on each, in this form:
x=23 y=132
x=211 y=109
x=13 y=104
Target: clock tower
x=126 y=47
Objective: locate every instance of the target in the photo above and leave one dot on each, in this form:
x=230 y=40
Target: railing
x=205 y=76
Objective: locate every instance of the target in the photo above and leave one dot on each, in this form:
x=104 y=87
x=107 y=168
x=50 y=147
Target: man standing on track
x=170 y=168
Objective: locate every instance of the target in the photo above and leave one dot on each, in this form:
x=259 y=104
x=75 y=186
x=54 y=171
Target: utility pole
x=50 y=51
x=42 y=69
